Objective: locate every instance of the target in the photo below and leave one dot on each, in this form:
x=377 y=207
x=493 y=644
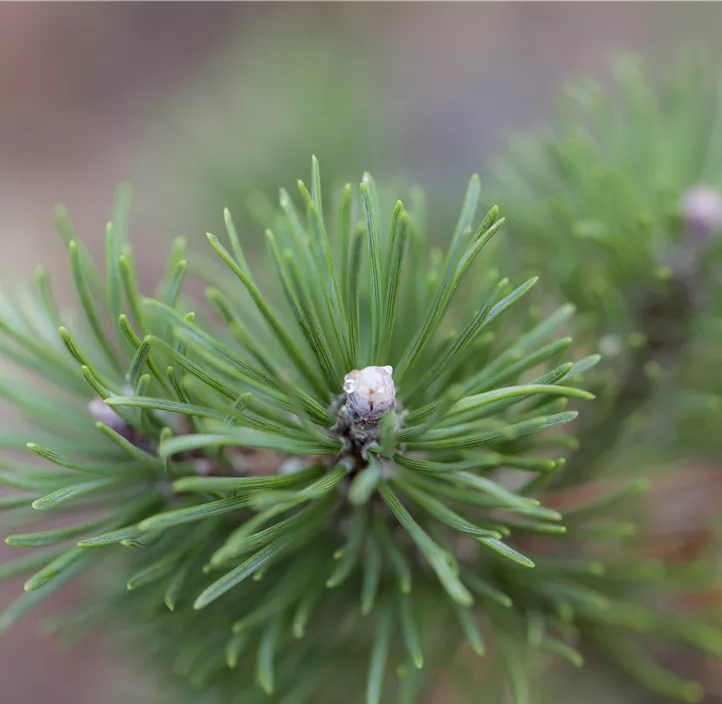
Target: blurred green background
x=203 y=106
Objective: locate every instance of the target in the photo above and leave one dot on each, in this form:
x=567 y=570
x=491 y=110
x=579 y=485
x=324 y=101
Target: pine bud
x=370 y=392
x=702 y=213
x=102 y=413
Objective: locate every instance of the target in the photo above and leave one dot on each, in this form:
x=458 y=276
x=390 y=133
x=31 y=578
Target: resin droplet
x=370 y=392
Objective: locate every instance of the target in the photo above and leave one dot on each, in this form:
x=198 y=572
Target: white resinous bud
x=702 y=213
x=370 y=392
x=104 y=414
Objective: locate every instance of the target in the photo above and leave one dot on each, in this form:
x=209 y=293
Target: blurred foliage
x=620 y=206
x=606 y=209
x=249 y=118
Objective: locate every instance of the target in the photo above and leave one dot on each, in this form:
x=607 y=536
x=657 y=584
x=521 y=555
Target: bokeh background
x=206 y=105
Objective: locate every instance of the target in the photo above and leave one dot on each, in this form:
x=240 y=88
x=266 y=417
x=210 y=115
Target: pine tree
x=345 y=481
